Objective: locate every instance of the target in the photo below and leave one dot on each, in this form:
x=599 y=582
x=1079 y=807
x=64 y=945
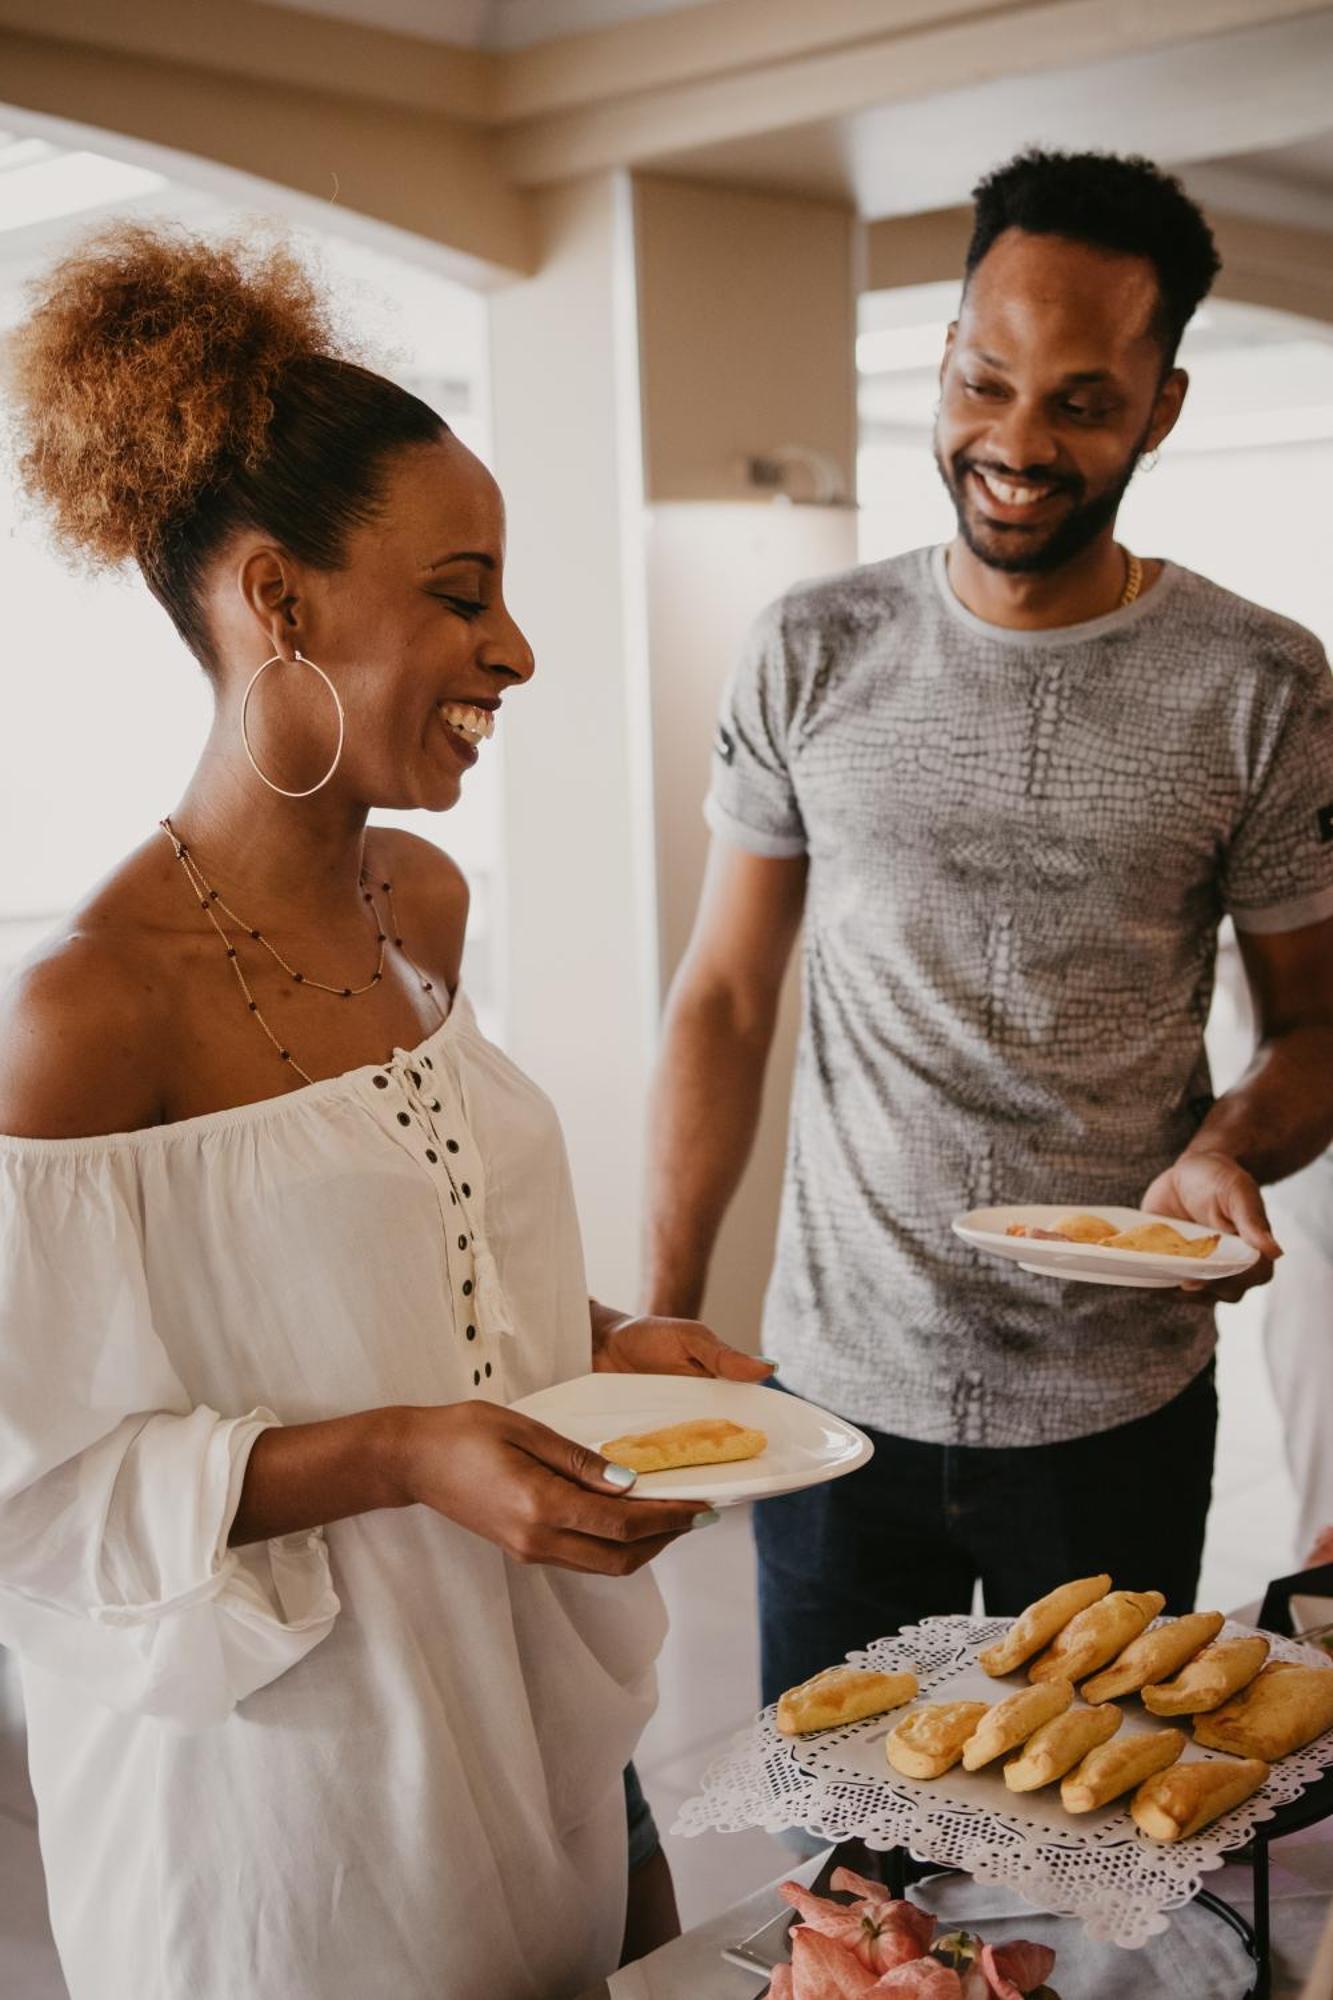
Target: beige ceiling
x=448 y=120
x=489 y=24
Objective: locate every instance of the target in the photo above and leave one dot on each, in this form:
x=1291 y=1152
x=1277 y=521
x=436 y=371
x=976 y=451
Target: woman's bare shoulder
x=85 y=1028
x=420 y=867
x=430 y=893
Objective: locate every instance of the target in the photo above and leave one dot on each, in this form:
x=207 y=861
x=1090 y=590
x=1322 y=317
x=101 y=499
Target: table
x=1301 y=1891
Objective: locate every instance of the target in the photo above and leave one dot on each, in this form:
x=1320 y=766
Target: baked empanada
x=1184 y=1799
x=842 y=1694
x=702 y=1441
x=1096 y=1635
x=1154 y=1655
x=1057 y=1746
x=1117 y=1767
x=1013 y=1720
x=929 y=1741
x=1210 y=1678
x=1285 y=1708
x=1159 y=1239
x=1038 y=1625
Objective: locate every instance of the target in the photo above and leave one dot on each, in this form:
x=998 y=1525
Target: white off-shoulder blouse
x=376 y=1759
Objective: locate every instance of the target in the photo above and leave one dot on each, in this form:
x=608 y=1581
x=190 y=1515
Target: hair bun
x=144 y=373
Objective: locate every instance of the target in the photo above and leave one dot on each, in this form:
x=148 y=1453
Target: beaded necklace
x=211 y=901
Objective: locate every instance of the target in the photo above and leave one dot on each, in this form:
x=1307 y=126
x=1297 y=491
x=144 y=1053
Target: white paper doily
x=1097 y=1867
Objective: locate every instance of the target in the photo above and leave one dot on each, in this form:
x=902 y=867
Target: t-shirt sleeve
x=751 y=800
x=1278 y=873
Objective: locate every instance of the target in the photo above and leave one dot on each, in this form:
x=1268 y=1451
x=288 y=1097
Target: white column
x=581 y=974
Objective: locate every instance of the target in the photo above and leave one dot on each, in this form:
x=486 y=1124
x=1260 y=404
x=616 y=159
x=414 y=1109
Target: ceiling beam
x=276 y=45
x=1263 y=263
x=697 y=42
x=916 y=61
x=417 y=170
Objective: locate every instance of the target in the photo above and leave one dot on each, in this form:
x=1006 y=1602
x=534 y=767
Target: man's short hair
x=1123 y=204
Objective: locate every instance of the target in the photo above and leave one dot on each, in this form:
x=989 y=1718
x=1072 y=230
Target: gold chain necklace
x=1133 y=580
x=211 y=901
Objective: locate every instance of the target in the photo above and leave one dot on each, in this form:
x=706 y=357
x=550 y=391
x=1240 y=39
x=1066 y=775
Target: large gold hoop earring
x=274 y=660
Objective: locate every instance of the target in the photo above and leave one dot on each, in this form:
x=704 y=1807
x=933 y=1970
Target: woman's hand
x=623 y=1345
x=535 y=1494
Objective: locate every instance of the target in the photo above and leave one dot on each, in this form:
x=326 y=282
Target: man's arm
x=708 y=1088
x=1280 y=1115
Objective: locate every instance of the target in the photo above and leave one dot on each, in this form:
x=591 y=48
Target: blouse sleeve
x=116 y=1493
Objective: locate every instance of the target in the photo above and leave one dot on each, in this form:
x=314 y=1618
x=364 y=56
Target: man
x=1012 y=786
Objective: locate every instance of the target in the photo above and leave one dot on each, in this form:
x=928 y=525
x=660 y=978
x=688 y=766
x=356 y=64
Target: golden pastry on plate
x=1285 y=1708
x=1159 y=1239
x=1070 y=1229
x=842 y=1694
x=1096 y=1635
x=1210 y=1678
x=929 y=1741
x=1154 y=1655
x=1117 y=1767
x=1057 y=1746
x=701 y=1441
x=1013 y=1720
x=1188 y=1797
x=1038 y=1625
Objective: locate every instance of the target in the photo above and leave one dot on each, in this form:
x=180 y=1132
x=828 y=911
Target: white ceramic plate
x=806 y=1445
x=1089 y=1263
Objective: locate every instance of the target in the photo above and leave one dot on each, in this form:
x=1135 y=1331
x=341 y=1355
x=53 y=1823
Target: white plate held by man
x=806 y=1445
x=989 y=1229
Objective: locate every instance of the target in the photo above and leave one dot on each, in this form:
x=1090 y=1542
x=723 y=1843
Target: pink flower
x=876 y=1949
x=1015 y=1969
x=879 y=1931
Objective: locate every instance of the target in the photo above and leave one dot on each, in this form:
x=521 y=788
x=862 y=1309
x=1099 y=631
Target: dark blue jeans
x=911 y=1532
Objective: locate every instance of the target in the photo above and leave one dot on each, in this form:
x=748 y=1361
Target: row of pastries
x=1253 y=1709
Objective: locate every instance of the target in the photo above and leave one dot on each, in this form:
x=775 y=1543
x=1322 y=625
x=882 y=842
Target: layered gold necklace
x=212 y=902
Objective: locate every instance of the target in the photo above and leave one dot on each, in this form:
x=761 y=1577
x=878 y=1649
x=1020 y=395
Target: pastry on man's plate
x=1117 y=1767
x=1154 y=1655
x=1038 y=1625
x=929 y=1741
x=842 y=1694
x=1210 y=1678
x=701 y=1441
x=1070 y=1229
x=1159 y=1239
x=1185 y=1798
x=1011 y=1722
x=1057 y=1746
x=1285 y=1708
x=1096 y=1635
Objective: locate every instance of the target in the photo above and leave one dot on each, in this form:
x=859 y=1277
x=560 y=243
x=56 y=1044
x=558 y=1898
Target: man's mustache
x=1032 y=475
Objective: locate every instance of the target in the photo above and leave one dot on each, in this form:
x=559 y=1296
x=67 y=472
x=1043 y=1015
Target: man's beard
x=1080 y=527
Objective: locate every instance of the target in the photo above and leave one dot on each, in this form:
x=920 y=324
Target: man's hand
x=1215 y=1190
x=650 y=1346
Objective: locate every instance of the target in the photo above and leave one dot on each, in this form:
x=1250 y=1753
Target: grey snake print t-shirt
x=1020 y=847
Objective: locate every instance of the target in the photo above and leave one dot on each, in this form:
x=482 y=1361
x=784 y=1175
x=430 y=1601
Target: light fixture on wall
x=786 y=467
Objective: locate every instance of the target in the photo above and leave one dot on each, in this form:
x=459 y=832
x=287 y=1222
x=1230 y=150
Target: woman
x=331 y=1661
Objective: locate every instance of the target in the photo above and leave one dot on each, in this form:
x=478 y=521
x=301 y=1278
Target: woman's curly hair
x=170 y=389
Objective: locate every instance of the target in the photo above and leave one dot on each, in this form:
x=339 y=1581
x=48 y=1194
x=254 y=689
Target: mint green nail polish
x=706 y=1519
x=620 y=1475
